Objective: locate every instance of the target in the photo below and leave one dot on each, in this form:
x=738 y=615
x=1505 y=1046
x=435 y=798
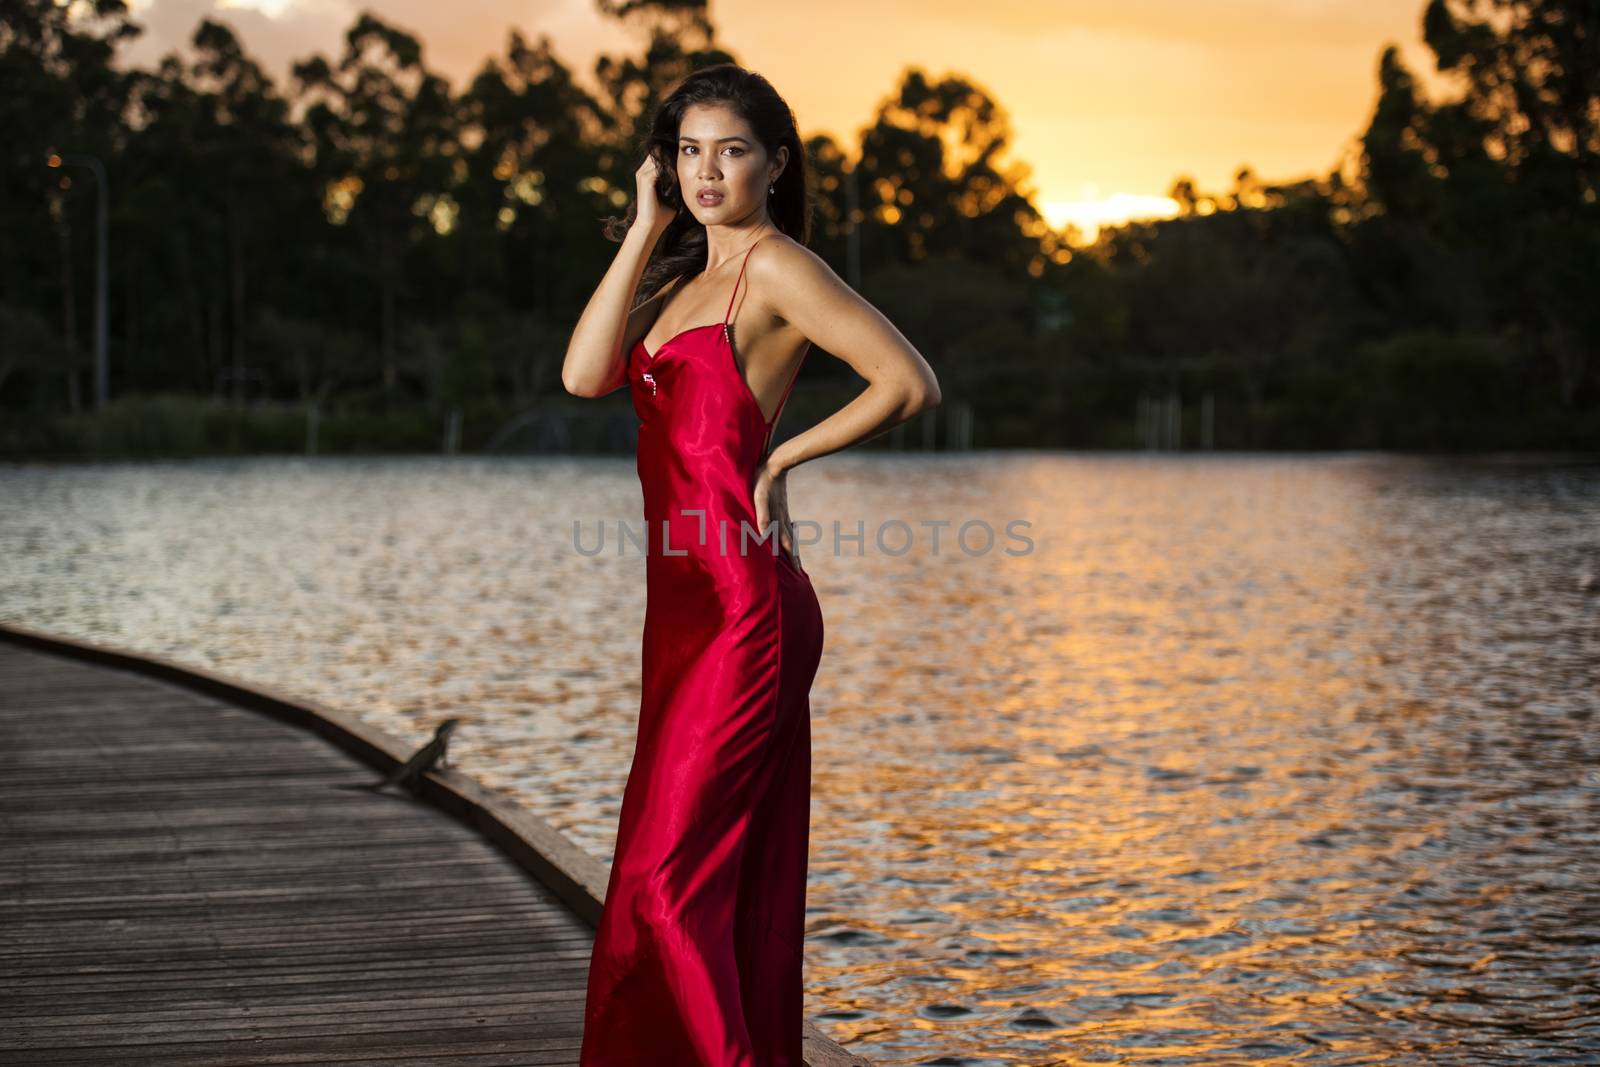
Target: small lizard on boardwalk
x=426 y=758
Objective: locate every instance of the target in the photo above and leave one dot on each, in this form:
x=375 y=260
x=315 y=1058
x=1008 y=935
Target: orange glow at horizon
x=1090 y=213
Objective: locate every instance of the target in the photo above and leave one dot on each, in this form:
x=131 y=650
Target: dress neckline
x=724 y=323
x=732 y=364
x=688 y=329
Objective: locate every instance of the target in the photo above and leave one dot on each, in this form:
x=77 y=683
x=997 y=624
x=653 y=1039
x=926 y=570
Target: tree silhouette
x=933 y=181
x=385 y=145
x=1510 y=171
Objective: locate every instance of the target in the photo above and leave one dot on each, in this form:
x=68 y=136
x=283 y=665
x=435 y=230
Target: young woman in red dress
x=705 y=316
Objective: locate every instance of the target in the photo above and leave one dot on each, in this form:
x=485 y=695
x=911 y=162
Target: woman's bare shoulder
x=781 y=248
x=789 y=273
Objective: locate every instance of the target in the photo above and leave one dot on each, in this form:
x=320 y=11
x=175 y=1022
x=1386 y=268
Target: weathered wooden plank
x=87 y=957
x=560 y=1031
x=279 y=1013
x=446 y=1042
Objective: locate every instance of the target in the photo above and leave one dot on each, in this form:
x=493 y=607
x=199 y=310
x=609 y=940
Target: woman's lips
x=709 y=199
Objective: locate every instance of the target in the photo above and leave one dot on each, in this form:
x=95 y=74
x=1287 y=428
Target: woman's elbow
x=577 y=385
x=913 y=400
x=925 y=395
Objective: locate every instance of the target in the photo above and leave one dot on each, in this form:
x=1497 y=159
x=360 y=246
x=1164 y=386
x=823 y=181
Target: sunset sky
x=1109 y=101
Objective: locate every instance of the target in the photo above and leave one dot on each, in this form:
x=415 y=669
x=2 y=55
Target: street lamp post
x=102 y=270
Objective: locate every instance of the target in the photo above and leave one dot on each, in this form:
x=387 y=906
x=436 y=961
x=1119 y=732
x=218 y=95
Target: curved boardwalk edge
x=575 y=876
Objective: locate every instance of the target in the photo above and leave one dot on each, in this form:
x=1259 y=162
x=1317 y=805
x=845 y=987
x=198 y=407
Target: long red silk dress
x=697 y=958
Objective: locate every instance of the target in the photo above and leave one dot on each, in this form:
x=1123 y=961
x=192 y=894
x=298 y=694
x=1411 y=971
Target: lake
x=1242 y=758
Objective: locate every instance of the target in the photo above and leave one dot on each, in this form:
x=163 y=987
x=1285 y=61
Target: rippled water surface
x=1250 y=759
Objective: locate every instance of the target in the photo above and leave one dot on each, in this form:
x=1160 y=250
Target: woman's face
x=723 y=171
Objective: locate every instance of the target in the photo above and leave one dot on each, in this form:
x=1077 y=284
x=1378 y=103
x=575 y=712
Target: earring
x=771 y=189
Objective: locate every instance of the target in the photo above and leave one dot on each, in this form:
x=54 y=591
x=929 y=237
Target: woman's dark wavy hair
x=681 y=248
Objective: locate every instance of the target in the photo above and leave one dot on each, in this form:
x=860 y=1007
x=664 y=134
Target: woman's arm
x=596 y=359
x=805 y=292
x=596 y=354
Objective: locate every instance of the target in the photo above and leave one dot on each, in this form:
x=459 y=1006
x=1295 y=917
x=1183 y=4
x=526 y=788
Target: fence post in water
x=452 y=432
x=1174 y=421
x=1150 y=422
x=1208 y=416
x=313 y=417
x=959 y=429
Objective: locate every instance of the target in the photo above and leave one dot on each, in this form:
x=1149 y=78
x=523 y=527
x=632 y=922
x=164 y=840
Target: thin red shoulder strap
x=783 y=400
x=740 y=278
x=795 y=377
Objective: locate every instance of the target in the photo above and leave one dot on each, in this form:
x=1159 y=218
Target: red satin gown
x=697 y=958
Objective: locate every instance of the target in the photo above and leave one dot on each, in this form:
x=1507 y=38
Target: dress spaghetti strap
x=727 y=336
x=736 y=281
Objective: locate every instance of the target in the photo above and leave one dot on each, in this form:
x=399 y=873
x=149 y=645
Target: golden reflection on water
x=1276 y=759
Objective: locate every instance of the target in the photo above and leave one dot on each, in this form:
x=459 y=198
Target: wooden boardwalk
x=183 y=882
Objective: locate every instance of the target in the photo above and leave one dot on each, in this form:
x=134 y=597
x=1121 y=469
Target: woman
x=697 y=959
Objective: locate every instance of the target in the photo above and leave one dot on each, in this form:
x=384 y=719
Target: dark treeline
x=366 y=258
